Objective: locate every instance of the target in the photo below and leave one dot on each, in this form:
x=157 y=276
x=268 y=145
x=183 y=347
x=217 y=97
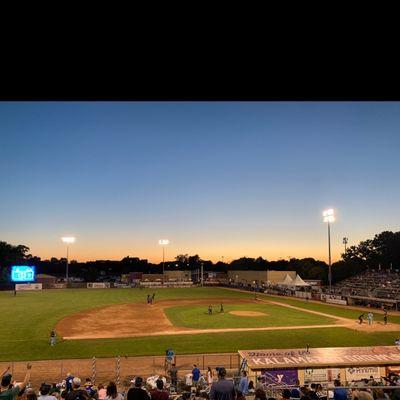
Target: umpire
x=222 y=389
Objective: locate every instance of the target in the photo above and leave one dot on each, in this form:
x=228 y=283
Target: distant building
x=259 y=277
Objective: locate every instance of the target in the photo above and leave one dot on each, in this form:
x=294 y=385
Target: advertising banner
x=98 y=285
x=358 y=373
x=28 y=286
x=321 y=357
x=59 y=286
x=321 y=374
x=280 y=376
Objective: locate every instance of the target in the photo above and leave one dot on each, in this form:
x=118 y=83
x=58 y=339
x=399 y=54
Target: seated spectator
x=137 y=392
x=76 y=393
x=112 y=392
x=159 y=393
x=9 y=392
x=320 y=392
x=260 y=394
x=285 y=394
x=251 y=387
x=54 y=389
x=240 y=395
x=45 y=393
x=101 y=392
x=339 y=394
x=30 y=394
x=295 y=392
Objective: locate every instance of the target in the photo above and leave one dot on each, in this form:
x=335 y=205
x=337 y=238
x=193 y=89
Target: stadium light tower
x=68 y=240
x=163 y=243
x=329 y=216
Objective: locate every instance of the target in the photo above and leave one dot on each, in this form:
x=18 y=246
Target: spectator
x=244 y=384
x=260 y=394
x=77 y=393
x=362 y=394
x=295 y=393
x=240 y=395
x=195 y=374
x=45 y=393
x=54 y=389
x=173 y=374
x=112 y=392
x=312 y=394
x=259 y=384
x=320 y=393
x=137 y=392
x=101 y=391
x=210 y=376
x=159 y=393
x=286 y=394
x=251 y=387
x=222 y=389
x=339 y=394
x=8 y=392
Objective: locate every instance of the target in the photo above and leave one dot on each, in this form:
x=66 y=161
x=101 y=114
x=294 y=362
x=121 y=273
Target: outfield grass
x=26 y=321
x=197 y=317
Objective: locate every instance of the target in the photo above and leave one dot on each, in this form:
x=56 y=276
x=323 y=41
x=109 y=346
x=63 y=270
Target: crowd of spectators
x=201 y=386
x=384 y=284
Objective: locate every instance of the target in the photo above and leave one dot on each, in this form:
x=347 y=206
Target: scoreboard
x=22 y=273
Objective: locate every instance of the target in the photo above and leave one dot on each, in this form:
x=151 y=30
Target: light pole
x=345 y=241
x=67 y=240
x=163 y=243
x=329 y=216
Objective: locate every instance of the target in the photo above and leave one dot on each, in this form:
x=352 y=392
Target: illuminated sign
x=22 y=273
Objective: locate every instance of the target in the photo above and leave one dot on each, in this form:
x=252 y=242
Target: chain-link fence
x=119 y=369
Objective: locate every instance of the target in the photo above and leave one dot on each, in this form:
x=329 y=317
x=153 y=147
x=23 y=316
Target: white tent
x=299 y=282
x=288 y=281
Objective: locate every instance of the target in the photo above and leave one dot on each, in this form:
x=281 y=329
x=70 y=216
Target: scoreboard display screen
x=22 y=273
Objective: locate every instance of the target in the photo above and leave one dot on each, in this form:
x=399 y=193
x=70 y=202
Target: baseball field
x=110 y=322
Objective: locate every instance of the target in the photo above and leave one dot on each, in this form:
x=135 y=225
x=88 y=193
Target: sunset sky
x=218 y=179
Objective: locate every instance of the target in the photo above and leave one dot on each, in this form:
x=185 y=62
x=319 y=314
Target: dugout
x=319 y=365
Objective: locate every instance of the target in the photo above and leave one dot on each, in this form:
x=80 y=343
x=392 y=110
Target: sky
x=220 y=179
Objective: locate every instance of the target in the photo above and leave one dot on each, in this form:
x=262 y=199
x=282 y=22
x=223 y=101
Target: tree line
x=383 y=251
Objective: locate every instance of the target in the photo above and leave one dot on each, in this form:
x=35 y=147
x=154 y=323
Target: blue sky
x=221 y=179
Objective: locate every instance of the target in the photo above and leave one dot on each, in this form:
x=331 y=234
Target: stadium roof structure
x=321 y=357
x=288 y=281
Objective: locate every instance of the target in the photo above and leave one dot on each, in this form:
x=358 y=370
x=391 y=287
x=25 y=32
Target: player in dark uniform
x=222 y=308
x=385 y=317
x=152 y=298
x=210 y=309
x=360 y=318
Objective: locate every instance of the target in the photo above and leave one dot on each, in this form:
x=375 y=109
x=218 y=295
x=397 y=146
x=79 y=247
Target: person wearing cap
x=7 y=393
x=77 y=393
x=137 y=392
x=222 y=389
x=45 y=393
x=159 y=393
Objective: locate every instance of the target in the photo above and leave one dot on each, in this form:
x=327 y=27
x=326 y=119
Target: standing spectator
x=159 y=393
x=137 y=392
x=196 y=375
x=101 y=391
x=173 y=374
x=222 y=389
x=11 y=393
x=210 y=376
x=77 y=393
x=244 y=384
x=339 y=394
x=112 y=392
x=45 y=393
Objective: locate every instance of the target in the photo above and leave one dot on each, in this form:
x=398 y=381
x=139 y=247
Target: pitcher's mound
x=248 y=313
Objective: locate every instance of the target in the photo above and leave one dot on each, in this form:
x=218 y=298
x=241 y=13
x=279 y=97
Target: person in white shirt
x=210 y=377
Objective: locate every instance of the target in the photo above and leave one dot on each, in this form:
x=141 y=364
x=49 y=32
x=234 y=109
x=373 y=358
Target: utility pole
x=345 y=241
